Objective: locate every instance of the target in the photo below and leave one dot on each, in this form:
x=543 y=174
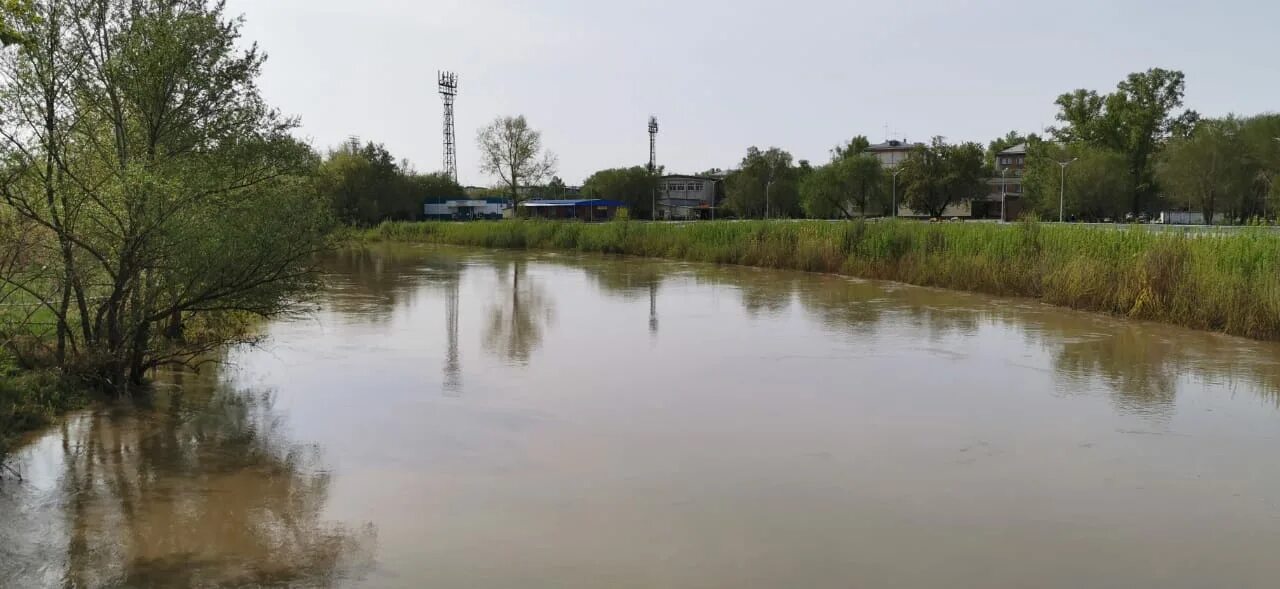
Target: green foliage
x=1221 y=282
x=937 y=175
x=365 y=185
x=161 y=189
x=1134 y=121
x=1206 y=170
x=634 y=186
x=765 y=184
x=1094 y=186
x=852 y=184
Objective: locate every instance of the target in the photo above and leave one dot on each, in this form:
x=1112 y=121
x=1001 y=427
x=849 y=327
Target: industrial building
x=465 y=209
x=686 y=197
x=582 y=209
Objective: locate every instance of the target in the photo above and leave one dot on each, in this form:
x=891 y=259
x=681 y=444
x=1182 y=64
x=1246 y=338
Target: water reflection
x=202 y=489
x=520 y=314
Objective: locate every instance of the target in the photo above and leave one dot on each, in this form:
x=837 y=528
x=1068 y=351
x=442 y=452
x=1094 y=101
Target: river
x=466 y=418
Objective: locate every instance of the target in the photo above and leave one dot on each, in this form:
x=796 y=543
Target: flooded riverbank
x=454 y=417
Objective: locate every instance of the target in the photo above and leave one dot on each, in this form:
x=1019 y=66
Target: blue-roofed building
x=583 y=209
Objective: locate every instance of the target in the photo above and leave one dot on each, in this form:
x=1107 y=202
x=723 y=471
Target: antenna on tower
x=448 y=91
x=653 y=145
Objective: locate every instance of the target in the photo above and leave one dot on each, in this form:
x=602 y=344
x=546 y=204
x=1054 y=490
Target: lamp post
x=895 y=190
x=1062 y=189
x=1004 y=194
x=766 y=196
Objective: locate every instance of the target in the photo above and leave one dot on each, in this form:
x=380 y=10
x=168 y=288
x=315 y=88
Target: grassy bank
x=1228 y=283
x=30 y=400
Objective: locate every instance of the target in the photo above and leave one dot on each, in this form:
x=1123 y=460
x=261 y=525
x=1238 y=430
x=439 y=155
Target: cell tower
x=653 y=144
x=448 y=91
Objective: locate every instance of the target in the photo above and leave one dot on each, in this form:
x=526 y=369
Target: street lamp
x=1062 y=189
x=766 y=196
x=895 y=191
x=1004 y=193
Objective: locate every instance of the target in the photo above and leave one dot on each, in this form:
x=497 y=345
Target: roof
x=892 y=145
x=1019 y=149
x=688 y=177
x=574 y=202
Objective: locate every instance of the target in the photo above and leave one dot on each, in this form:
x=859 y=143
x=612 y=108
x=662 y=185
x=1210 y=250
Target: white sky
x=722 y=75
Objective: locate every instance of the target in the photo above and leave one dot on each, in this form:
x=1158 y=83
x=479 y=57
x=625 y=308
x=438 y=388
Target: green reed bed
x=1219 y=282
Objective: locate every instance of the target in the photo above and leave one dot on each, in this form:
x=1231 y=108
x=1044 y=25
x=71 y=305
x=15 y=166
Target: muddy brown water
x=466 y=418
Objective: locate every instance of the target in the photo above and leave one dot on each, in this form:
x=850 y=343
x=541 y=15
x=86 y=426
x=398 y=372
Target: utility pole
x=1062 y=189
x=1004 y=193
x=895 y=191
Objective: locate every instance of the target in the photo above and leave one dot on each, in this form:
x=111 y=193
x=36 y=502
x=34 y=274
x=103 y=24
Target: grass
x=1219 y=282
x=31 y=399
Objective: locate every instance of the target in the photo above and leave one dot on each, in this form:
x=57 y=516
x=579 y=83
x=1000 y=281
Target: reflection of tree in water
x=519 y=316
x=372 y=282
x=1138 y=364
x=204 y=490
x=1140 y=370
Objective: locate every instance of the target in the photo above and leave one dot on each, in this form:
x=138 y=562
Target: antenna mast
x=653 y=145
x=448 y=91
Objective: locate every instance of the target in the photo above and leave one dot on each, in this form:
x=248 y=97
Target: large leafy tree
x=365 y=184
x=634 y=186
x=1092 y=188
x=512 y=150
x=135 y=138
x=938 y=175
x=1209 y=170
x=851 y=184
x=765 y=184
x=1134 y=121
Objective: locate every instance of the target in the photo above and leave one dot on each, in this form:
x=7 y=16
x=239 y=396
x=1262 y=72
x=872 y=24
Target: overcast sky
x=722 y=75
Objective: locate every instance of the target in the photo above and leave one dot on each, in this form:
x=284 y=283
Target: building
x=583 y=209
x=686 y=197
x=464 y=209
x=892 y=152
x=1005 y=186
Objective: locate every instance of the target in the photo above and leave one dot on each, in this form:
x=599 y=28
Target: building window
x=1004 y=161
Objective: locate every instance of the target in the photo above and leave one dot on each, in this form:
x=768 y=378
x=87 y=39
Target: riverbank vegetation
x=151 y=200
x=1217 y=282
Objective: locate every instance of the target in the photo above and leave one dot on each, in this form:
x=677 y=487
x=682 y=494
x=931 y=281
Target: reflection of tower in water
x=653 y=307
x=452 y=364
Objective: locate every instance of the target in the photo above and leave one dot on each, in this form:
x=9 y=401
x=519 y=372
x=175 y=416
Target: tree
x=512 y=151
x=1135 y=120
x=765 y=185
x=1262 y=152
x=937 y=175
x=365 y=185
x=556 y=188
x=1093 y=188
x=136 y=140
x=1208 y=170
x=634 y=186
x=852 y=183
x=855 y=146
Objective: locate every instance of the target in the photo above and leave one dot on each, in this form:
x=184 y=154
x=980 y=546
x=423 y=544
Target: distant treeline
x=1125 y=153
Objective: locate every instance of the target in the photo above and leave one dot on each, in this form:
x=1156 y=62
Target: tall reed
x=1219 y=282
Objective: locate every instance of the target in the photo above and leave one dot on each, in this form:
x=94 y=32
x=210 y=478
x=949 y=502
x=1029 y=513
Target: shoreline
x=1219 y=282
